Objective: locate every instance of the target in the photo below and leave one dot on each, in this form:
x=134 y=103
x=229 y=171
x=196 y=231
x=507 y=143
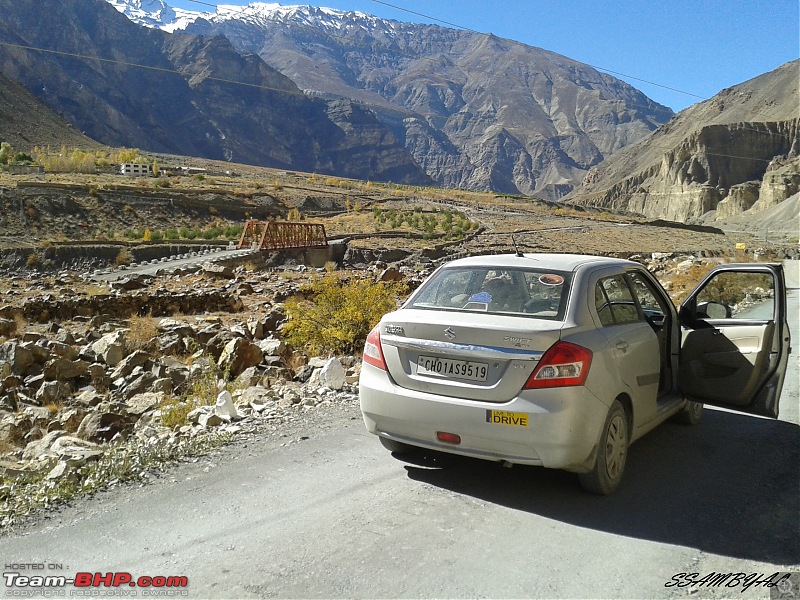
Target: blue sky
x=698 y=47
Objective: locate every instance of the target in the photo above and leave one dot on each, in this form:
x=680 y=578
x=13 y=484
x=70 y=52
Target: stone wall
x=45 y=308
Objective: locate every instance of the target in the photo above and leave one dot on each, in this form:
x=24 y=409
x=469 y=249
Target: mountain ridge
x=183 y=102
x=708 y=154
x=495 y=113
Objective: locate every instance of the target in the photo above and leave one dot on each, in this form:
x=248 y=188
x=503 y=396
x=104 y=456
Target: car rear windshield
x=533 y=293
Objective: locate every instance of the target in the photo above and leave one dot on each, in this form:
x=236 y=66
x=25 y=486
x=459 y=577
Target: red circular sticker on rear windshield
x=551 y=279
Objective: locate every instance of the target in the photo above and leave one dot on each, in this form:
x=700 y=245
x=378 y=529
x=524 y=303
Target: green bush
x=22 y=159
x=337 y=316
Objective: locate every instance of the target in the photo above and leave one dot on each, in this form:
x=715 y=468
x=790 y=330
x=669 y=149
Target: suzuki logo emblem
x=449 y=333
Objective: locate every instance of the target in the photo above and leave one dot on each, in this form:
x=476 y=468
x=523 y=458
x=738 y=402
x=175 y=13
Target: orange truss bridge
x=273 y=235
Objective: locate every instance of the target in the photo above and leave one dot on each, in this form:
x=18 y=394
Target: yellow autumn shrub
x=335 y=316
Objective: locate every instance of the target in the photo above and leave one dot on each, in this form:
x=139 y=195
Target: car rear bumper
x=562 y=431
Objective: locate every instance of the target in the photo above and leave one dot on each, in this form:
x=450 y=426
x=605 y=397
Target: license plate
x=505 y=417
x=456 y=369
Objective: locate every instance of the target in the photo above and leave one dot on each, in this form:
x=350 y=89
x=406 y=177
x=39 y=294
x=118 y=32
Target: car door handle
x=622 y=345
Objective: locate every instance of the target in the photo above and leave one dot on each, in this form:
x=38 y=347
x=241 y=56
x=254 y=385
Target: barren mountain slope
x=25 y=121
x=686 y=167
x=183 y=102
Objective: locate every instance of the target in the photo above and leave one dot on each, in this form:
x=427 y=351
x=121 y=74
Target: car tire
x=690 y=414
x=612 y=454
x=396 y=447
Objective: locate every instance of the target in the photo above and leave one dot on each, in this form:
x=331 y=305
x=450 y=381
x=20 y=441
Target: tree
x=22 y=158
x=6 y=153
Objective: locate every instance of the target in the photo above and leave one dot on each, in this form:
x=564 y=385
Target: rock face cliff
x=475 y=111
x=184 y=102
x=737 y=151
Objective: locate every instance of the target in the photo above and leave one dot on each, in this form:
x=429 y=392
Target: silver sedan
x=563 y=361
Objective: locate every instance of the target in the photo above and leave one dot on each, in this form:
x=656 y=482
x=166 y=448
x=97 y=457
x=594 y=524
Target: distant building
x=193 y=171
x=135 y=169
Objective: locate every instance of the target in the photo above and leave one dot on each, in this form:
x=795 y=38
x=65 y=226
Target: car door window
x=651 y=302
x=656 y=312
x=618 y=301
x=735 y=339
x=602 y=306
x=737 y=295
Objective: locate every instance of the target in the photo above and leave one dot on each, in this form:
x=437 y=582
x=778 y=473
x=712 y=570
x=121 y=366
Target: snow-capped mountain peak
x=157 y=14
x=151 y=13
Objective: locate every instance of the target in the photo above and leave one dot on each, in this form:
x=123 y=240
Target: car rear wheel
x=396 y=447
x=690 y=414
x=609 y=465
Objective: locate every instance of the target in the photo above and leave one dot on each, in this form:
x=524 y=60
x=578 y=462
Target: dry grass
x=21 y=323
x=124 y=257
x=95 y=290
x=54 y=406
x=142 y=330
x=6 y=447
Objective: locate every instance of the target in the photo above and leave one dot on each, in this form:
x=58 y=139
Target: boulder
x=224 y=407
x=75 y=451
x=63 y=350
x=170 y=325
x=60 y=369
x=209 y=420
x=36 y=448
x=16 y=355
x=249 y=377
x=331 y=375
x=110 y=348
x=138 y=383
x=102 y=426
x=7 y=327
x=239 y=354
x=221 y=271
x=141 y=403
x=126 y=366
x=52 y=392
x=271 y=347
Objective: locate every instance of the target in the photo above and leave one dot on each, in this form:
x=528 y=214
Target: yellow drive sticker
x=502 y=417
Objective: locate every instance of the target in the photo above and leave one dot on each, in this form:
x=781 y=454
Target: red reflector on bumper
x=450 y=438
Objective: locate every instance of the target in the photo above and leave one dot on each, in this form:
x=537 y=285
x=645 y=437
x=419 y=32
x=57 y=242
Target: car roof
x=556 y=262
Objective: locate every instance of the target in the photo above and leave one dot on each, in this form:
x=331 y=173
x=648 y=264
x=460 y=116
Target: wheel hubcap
x=616 y=446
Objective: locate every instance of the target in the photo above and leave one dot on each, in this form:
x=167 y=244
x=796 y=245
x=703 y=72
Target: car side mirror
x=713 y=310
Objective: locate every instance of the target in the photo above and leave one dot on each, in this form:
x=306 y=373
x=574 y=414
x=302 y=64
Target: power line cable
x=148 y=67
x=666 y=87
x=242 y=10
x=280 y=90
x=424 y=16
x=300 y=93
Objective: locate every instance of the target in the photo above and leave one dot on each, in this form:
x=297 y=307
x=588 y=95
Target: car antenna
x=516 y=248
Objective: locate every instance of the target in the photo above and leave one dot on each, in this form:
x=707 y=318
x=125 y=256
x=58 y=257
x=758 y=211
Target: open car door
x=735 y=338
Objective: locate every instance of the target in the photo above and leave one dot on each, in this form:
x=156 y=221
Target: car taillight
x=564 y=364
x=372 y=349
